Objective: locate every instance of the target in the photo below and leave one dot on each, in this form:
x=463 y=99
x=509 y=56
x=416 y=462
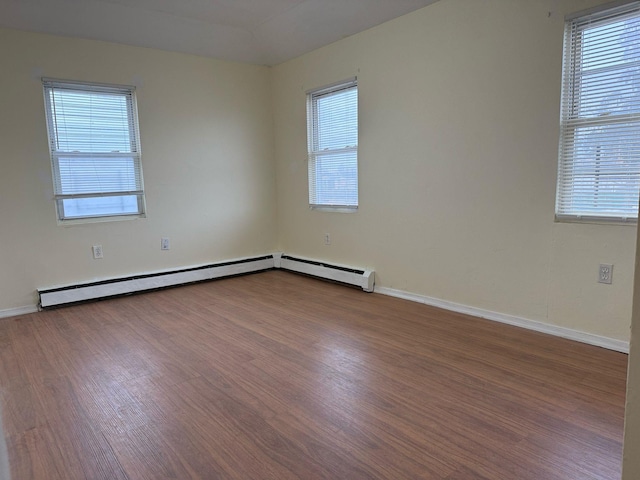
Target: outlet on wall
x=605 y=273
x=164 y=243
x=97 y=251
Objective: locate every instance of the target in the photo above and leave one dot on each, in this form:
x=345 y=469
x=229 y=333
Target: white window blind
x=599 y=167
x=333 y=146
x=95 y=149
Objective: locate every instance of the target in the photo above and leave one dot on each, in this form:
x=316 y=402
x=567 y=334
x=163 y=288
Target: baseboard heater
x=54 y=297
x=364 y=279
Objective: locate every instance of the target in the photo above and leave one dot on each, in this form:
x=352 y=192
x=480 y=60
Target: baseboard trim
x=14 y=312
x=583 y=337
x=267 y=262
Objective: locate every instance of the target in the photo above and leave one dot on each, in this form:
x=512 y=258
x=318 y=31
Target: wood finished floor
x=279 y=376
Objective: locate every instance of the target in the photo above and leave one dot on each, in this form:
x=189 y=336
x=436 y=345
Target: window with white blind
x=95 y=149
x=599 y=166
x=332 y=120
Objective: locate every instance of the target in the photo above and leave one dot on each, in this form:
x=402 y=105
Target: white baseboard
x=589 y=338
x=269 y=261
x=14 y=312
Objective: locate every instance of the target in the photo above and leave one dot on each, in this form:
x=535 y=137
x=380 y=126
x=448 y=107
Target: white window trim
x=569 y=123
x=334 y=87
x=48 y=84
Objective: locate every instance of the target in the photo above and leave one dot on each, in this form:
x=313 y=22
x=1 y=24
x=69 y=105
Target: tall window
x=599 y=167
x=332 y=120
x=95 y=149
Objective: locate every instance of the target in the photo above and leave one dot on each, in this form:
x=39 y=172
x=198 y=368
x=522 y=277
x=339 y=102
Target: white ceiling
x=265 y=32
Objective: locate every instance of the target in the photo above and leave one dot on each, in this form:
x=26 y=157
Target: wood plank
x=277 y=375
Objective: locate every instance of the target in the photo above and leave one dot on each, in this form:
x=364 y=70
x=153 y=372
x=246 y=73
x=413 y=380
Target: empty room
x=305 y=239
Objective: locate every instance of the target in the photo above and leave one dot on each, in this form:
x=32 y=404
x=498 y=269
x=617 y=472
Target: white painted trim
x=14 y=312
x=589 y=338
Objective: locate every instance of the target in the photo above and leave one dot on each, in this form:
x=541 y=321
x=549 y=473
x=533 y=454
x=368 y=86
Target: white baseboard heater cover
x=122 y=286
x=54 y=297
x=364 y=279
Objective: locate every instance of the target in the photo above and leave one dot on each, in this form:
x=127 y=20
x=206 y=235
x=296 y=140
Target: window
x=95 y=150
x=599 y=167
x=332 y=120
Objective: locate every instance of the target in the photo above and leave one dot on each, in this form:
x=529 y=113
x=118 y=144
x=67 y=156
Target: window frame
x=50 y=85
x=313 y=151
x=571 y=121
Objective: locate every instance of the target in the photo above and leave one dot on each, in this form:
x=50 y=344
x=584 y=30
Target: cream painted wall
x=442 y=93
x=631 y=460
x=207 y=145
x=459 y=107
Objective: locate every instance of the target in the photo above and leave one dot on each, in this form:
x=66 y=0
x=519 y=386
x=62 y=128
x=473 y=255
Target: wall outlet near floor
x=605 y=273
x=164 y=243
x=97 y=251
x=327 y=239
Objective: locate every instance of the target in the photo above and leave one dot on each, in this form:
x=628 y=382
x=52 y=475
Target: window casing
x=95 y=150
x=599 y=154
x=332 y=121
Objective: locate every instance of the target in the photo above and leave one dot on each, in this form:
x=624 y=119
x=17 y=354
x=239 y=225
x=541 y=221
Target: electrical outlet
x=164 y=243
x=327 y=239
x=605 y=273
x=97 y=251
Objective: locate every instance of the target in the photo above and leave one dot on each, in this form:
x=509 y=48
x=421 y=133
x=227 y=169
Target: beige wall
x=459 y=108
x=460 y=93
x=631 y=461
x=207 y=145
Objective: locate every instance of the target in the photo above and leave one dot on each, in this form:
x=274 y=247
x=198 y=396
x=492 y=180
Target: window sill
x=89 y=220
x=321 y=208
x=632 y=222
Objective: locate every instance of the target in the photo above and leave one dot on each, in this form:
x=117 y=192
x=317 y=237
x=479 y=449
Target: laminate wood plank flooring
x=281 y=376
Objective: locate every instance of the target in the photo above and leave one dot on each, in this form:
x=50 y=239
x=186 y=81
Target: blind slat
x=333 y=146
x=95 y=150
x=599 y=164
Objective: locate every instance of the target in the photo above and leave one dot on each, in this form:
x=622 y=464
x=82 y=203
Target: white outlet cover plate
x=605 y=273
